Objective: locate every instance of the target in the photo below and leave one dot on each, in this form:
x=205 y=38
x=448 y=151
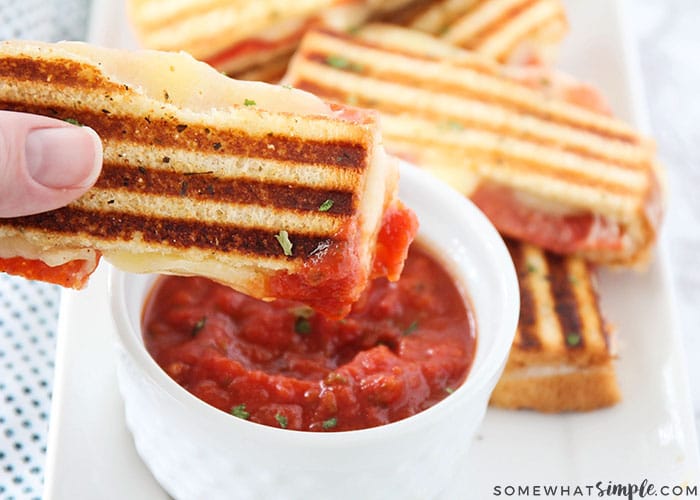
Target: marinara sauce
x=405 y=346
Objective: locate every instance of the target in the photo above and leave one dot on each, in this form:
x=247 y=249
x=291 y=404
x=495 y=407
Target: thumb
x=44 y=163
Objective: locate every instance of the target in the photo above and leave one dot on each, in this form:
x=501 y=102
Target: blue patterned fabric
x=29 y=310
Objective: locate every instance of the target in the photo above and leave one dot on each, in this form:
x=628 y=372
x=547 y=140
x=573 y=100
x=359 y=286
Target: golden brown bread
x=509 y=31
x=246 y=40
x=562 y=358
x=265 y=188
x=545 y=170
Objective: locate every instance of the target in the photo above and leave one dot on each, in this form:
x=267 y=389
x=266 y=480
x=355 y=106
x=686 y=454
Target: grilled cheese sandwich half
x=562 y=357
x=246 y=40
x=545 y=170
x=509 y=31
x=230 y=35
x=265 y=188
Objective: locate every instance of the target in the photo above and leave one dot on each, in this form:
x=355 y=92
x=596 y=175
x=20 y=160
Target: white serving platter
x=649 y=436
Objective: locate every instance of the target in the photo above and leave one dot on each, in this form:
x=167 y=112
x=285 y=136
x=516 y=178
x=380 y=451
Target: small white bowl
x=196 y=451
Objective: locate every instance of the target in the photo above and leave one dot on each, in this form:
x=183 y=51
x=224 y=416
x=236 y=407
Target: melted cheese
x=15 y=246
x=155 y=73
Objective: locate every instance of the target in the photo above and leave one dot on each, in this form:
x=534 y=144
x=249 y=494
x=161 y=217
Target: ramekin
x=196 y=451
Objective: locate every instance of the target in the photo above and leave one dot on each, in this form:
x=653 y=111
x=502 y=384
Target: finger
x=44 y=163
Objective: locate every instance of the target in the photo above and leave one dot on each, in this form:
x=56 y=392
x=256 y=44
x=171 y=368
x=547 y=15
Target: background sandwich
x=545 y=170
x=265 y=188
x=508 y=31
x=244 y=39
x=562 y=358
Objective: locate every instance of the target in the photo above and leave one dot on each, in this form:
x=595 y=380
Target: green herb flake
x=451 y=125
x=573 y=280
x=449 y=390
x=73 y=121
x=411 y=328
x=249 y=102
x=330 y=423
x=325 y=206
x=531 y=268
x=283 y=239
x=573 y=339
x=341 y=62
x=240 y=412
x=282 y=420
x=199 y=325
x=302 y=326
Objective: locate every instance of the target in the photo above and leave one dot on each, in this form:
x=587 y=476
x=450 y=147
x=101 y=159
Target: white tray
x=650 y=435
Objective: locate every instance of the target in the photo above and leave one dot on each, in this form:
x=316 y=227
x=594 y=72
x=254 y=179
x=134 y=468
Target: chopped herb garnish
x=217 y=146
x=573 y=339
x=288 y=87
x=166 y=159
x=452 y=125
x=341 y=62
x=73 y=121
x=282 y=420
x=181 y=128
x=411 y=328
x=240 y=412
x=573 y=280
x=199 y=325
x=330 y=423
x=531 y=268
x=283 y=238
x=249 y=102
x=325 y=206
x=302 y=326
x=449 y=390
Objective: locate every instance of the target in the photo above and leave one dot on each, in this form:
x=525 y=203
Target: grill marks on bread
x=559 y=312
x=496 y=28
x=156 y=163
x=472 y=121
x=562 y=355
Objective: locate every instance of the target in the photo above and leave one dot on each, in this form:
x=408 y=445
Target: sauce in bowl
x=405 y=346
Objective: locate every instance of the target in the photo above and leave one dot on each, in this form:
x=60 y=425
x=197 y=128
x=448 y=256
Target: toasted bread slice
x=229 y=34
x=562 y=358
x=545 y=170
x=509 y=31
x=265 y=188
x=242 y=38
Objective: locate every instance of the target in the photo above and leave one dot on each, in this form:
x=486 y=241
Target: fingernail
x=65 y=157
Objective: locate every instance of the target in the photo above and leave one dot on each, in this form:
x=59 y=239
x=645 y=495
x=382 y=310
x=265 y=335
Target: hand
x=45 y=163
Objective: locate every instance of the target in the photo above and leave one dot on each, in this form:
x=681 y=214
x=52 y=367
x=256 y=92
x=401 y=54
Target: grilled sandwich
x=562 y=358
x=509 y=31
x=246 y=40
x=230 y=35
x=265 y=188
x=545 y=170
